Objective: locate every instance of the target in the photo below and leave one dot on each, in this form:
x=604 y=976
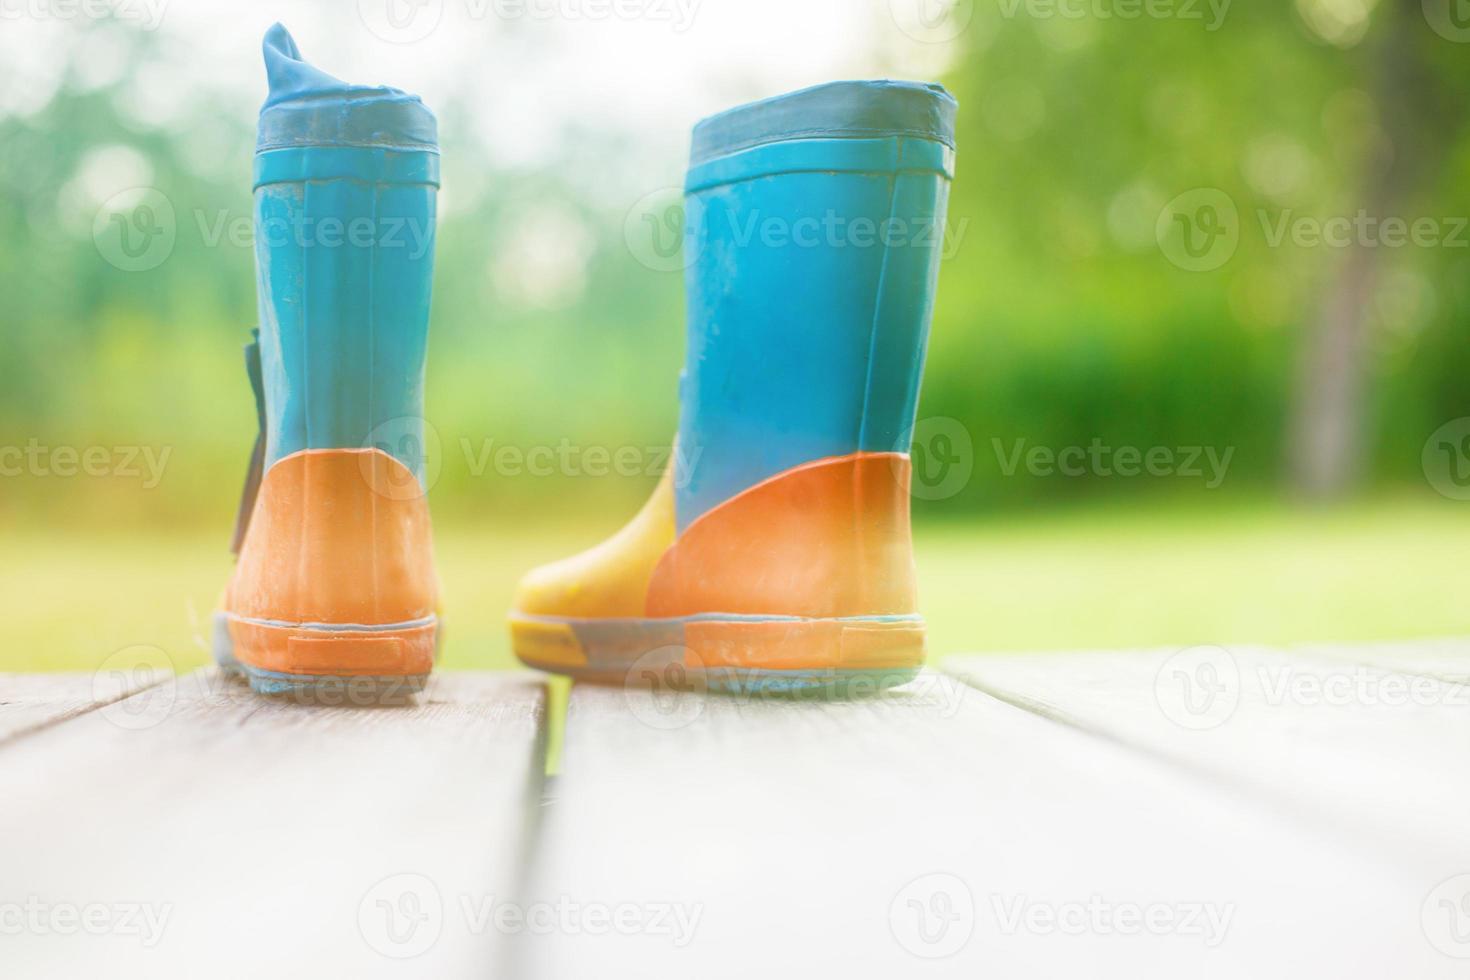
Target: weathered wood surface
x=30 y=702
x=207 y=832
x=936 y=832
x=1445 y=659
x=941 y=830
x=1375 y=754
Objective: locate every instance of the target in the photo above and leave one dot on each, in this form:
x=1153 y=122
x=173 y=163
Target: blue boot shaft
x=346 y=179
x=814 y=228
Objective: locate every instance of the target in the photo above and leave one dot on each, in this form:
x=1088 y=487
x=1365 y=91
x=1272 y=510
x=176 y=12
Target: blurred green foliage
x=1060 y=319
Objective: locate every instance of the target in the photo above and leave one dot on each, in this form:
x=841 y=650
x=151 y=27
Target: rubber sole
x=738 y=654
x=341 y=666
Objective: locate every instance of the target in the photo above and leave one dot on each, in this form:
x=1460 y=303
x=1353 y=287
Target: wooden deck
x=1205 y=813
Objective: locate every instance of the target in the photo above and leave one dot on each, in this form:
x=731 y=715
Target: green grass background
x=1100 y=578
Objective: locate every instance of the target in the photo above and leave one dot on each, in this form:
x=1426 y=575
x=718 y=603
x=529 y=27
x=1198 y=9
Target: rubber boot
x=335 y=587
x=776 y=555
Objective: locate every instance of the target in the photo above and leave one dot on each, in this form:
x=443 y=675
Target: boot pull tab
x=257 y=456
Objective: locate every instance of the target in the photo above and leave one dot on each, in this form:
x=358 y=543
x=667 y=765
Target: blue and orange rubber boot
x=776 y=555
x=335 y=581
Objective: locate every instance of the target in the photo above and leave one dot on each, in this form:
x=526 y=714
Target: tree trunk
x=1327 y=430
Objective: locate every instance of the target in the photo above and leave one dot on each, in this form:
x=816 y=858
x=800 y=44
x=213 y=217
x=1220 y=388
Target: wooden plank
x=30 y=702
x=1444 y=659
x=931 y=832
x=1349 y=747
x=228 y=835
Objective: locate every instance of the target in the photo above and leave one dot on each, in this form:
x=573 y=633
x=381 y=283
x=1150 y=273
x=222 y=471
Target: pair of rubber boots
x=774 y=555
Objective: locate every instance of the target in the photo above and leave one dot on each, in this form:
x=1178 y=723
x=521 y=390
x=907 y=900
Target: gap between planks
x=1339 y=743
x=30 y=703
x=921 y=834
